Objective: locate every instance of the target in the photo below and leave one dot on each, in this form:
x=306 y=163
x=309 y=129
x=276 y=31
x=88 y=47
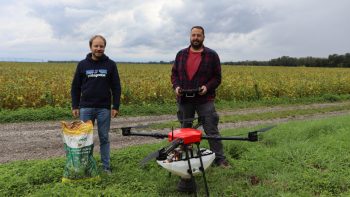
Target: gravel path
x=38 y=140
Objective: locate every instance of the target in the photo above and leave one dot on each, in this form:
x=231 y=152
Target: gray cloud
x=64 y=20
x=221 y=16
x=156 y=30
x=215 y=17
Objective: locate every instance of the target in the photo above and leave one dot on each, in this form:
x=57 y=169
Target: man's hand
x=177 y=91
x=75 y=113
x=114 y=113
x=203 y=90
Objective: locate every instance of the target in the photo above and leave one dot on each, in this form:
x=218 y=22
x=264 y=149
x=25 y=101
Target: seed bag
x=79 y=146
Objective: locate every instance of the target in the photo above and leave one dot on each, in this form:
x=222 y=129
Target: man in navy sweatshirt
x=96 y=93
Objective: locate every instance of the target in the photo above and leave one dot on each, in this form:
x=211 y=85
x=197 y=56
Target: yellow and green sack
x=79 y=146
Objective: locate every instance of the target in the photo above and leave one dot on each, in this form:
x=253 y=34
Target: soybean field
x=34 y=85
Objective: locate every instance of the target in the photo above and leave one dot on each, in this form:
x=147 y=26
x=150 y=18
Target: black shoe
x=108 y=171
x=186 y=185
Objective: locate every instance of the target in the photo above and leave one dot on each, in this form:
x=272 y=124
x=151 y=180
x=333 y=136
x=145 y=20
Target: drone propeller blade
x=265 y=129
x=116 y=130
x=163 y=152
x=149 y=157
x=188 y=120
x=253 y=135
x=140 y=126
x=133 y=127
x=127 y=130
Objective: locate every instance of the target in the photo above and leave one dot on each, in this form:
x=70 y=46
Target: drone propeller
x=189 y=121
x=253 y=135
x=162 y=153
x=122 y=128
x=201 y=118
x=150 y=157
x=259 y=130
x=264 y=129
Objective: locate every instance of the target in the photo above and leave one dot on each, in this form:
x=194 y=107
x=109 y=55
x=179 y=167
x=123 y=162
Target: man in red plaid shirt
x=199 y=67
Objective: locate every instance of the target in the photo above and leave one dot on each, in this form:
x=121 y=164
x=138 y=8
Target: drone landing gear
x=189 y=185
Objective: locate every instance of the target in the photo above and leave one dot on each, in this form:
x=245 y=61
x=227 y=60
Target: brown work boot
x=223 y=163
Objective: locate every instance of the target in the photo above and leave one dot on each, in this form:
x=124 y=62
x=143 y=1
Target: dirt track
x=36 y=140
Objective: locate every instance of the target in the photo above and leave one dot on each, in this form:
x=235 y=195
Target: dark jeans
x=210 y=123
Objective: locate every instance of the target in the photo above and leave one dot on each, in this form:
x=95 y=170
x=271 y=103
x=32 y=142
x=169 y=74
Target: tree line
x=334 y=60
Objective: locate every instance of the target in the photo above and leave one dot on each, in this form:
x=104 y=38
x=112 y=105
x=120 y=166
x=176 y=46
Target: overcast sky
x=140 y=30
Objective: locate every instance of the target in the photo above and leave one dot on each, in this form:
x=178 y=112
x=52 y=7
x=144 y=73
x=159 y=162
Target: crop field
x=34 y=85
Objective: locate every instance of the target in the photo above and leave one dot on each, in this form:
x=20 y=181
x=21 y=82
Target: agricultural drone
x=183 y=156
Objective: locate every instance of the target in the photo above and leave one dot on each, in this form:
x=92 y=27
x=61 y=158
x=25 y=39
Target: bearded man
x=199 y=67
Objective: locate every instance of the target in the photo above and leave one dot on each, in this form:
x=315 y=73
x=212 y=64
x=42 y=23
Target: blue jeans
x=103 y=117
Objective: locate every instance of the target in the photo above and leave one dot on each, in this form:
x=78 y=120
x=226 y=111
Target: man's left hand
x=114 y=113
x=203 y=90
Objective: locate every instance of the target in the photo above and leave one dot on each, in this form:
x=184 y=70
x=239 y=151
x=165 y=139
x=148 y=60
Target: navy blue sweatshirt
x=95 y=84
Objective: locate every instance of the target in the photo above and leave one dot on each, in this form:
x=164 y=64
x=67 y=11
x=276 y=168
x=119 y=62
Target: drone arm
x=126 y=131
x=252 y=136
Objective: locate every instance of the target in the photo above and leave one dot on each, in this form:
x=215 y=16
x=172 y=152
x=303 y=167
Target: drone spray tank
x=176 y=161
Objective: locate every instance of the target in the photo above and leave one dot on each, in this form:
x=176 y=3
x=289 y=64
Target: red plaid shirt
x=208 y=74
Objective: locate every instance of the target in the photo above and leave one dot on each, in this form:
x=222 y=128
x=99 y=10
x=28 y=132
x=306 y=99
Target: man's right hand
x=177 y=91
x=75 y=113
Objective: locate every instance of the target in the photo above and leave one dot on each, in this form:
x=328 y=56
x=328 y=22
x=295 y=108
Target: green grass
x=298 y=158
x=59 y=113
